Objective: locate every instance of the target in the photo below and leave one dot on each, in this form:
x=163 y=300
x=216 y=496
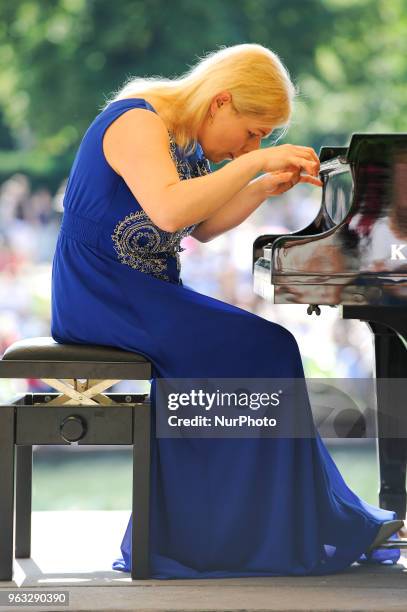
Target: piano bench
x=78 y=413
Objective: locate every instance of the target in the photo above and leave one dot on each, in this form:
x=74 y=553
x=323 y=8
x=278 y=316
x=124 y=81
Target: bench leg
x=140 y=566
x=24 y=459
x=7 y=437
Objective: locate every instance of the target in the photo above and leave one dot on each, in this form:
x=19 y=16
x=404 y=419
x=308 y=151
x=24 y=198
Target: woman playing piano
x=140 y=182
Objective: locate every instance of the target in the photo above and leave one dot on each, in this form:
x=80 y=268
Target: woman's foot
x=386 y=530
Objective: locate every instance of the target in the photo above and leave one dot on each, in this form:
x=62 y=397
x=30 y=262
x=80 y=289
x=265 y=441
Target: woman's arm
x=231 y=214
x=241 y=206
x=136 y=146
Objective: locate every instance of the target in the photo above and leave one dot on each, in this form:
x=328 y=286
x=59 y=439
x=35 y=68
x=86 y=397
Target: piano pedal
x=314 y=308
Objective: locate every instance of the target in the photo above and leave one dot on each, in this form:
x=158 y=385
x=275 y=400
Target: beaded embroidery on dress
x=140 y=244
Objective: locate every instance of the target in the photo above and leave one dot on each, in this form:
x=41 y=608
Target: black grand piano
x=354 y=255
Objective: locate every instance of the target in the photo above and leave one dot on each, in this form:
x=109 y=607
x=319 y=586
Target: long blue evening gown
x=219 y=507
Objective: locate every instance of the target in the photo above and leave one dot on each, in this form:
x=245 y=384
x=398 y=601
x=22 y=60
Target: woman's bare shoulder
x=136 y=128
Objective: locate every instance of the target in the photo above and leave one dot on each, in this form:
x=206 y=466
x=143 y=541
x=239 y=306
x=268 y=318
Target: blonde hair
x=259 y=83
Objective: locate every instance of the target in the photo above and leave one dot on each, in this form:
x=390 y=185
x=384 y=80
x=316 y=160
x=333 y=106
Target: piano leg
x=391 y=363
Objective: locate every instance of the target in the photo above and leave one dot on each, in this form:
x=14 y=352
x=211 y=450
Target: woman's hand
x=276 y=183
x=287 y=157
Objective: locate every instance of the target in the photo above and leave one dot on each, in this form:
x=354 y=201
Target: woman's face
x=225 y=134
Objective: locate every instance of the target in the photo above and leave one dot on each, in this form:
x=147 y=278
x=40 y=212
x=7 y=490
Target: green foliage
x=60 y=59
x=359 y=78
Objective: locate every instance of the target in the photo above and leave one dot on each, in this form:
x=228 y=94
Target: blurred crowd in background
x=222 y=268
x=59 y=62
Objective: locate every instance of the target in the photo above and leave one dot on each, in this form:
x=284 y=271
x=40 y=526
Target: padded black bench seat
x=42 y=357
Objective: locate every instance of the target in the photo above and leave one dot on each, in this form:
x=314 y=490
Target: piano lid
x=359 y=254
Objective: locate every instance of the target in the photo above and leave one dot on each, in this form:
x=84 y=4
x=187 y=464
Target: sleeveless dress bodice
x=219 y=508
x=100 y=207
